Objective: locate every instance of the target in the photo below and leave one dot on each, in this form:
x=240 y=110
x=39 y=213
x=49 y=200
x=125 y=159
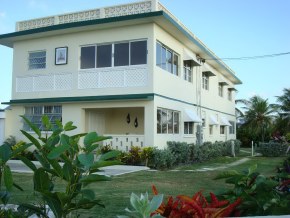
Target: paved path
x=18 y=166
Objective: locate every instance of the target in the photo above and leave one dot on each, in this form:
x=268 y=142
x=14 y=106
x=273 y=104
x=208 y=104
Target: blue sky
x=240 y=28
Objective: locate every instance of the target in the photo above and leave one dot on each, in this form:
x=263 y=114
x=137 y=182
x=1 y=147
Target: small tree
x=64 y=160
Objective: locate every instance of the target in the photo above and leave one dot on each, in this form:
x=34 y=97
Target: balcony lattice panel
x=41 y=83
x=113 y=78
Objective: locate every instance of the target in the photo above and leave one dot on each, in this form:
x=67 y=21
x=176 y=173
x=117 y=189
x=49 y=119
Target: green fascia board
x=119 y=19
x=147 y=96
x=81 y=24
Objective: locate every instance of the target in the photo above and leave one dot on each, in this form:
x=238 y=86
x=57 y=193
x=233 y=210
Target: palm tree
x=258 y=116
x=283 y=122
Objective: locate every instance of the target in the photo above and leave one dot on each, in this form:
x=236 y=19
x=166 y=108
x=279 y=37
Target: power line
x=252 y=57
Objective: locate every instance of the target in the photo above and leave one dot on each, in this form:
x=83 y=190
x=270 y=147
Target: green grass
x=115 y=194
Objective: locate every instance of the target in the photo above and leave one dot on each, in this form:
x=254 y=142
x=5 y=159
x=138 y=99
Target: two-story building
x=131 y=71
x=2 y=126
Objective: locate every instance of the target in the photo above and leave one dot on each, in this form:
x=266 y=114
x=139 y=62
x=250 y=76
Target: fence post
x=252 y=149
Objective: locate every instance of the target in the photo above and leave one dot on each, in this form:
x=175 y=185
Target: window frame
x=187 y=128
x=222 y=130
x=35 y=113
x=113 y=57
x=172 y=65
x=187 y=70
x=232 y=128
x=165 y=121
x=205 y=81
x=221 y=90
x=30 y=60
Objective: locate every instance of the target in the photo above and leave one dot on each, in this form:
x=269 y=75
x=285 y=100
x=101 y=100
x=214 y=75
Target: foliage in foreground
x=64 y=160
x=260 y=195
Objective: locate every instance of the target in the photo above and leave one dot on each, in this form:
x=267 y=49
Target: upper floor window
x=115 y=54
x=167 y=59
x=187 y=70
x=37 y=60
x=230 y=97
x=34 y=115
x=205 y=81
x=222 y=130
x=167 y=121
x=221 y=90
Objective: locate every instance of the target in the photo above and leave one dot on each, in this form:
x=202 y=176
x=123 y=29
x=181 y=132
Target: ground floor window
x=211 y=129
x=35 y=113
x=222 y=130
x=188 y=128
x=167 y=121
x=232 y=127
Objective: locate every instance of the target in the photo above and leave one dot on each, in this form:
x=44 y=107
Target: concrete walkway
x=116 y=170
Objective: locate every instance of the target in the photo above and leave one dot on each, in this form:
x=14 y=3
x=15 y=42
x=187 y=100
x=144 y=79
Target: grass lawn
x=115 y=194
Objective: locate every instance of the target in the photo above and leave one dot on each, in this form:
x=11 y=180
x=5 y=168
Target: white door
x=96 y=122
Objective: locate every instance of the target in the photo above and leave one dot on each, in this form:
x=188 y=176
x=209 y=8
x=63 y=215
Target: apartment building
x=132 y=71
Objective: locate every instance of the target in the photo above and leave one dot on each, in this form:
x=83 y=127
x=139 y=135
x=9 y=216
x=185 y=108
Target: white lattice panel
x=44 y=83
x=36 y=23
x=24 y=84
x=136 y=77
x=111 y=79
x=88 y=80
x=63 y=81
x=79 y=16
x=122 y=10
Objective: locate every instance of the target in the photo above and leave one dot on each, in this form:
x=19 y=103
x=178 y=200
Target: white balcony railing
x=125 y=142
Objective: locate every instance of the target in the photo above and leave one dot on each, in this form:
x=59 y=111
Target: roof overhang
x=159 y=17
x=213 y=120
x=224 y=122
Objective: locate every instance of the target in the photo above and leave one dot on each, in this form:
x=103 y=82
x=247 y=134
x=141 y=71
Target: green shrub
x=272 y=149
x=133 y=157
x=180 y=150
x=106 y=148
x=163 y=159
x=228 y=147
x=147 y=155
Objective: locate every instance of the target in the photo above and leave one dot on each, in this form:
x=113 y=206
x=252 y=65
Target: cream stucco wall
x=2 y=127
x=74 y=41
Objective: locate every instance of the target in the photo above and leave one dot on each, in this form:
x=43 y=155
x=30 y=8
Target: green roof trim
x=81 y=23
x=148 y=96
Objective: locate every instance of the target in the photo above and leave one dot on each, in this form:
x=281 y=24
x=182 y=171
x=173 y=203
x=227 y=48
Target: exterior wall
x=2 y=127
x=70 y=72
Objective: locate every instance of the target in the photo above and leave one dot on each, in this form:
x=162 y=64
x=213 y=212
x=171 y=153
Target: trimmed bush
x=228 y=147
x=272 y=149
x=163 y=159
x=180 y=150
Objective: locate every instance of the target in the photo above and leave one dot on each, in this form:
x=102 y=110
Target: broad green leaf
x=155 y=202
x=68 y=172
x=42 y=160
x=109 y=155
x=252 y=169
x=52 y=141
x=63 y=198
x=5 y=153
x=54 y=203
x=41 y=180
x=56 y=166
x=88 y=204
x=27 y=162
x=8 y=180
x=91 y=148
x=32 y=126
x=86 y=159
x=93 y=137
x=57 y=151
x=93 y=178
x=45 y=121
x=135 y=201
x=69 y=126
x=32 y=139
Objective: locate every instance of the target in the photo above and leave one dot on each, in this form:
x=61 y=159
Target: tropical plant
x=143 y=207
x=258 y=116
x=64 y=160
x=198 y=206
x=260 y=195
x=282 y=124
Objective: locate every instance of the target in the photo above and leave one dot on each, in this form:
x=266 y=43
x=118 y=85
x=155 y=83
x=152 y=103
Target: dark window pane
x=163 y=58
x=169 y=61
x=104 y=56
x=138 y=52
x=158 y=54
x=175 y=65
x=121 y=56
x=88 y=57
x=159 y=115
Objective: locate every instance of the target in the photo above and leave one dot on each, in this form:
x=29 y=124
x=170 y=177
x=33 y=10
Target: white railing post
x=154 y=5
